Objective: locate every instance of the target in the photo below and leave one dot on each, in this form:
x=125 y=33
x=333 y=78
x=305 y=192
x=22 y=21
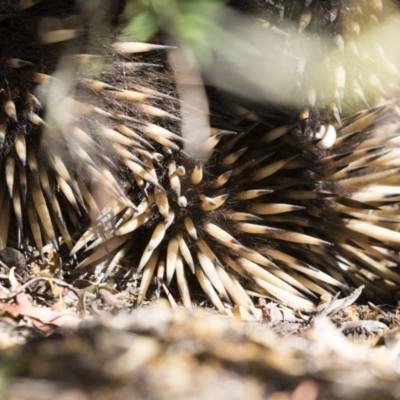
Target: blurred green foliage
x=192 y=23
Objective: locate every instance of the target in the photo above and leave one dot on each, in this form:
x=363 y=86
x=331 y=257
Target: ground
x=80 y=340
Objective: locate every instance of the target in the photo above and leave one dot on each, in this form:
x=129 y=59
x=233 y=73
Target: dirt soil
x=86 y=341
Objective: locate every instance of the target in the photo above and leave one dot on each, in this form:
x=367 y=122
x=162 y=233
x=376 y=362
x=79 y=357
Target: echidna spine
x=56 y=136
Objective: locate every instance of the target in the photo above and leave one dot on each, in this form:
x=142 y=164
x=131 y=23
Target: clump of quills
x=62 y=130
x=265 y=216
x=283 y=209
x=339 y=56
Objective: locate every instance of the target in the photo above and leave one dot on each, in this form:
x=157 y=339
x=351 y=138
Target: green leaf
x=142 y=27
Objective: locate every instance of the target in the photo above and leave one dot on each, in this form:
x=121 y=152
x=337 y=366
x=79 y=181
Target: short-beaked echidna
x=285 y=208
x=282 y=208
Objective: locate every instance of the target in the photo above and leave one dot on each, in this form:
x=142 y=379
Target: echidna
x=284 y=208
